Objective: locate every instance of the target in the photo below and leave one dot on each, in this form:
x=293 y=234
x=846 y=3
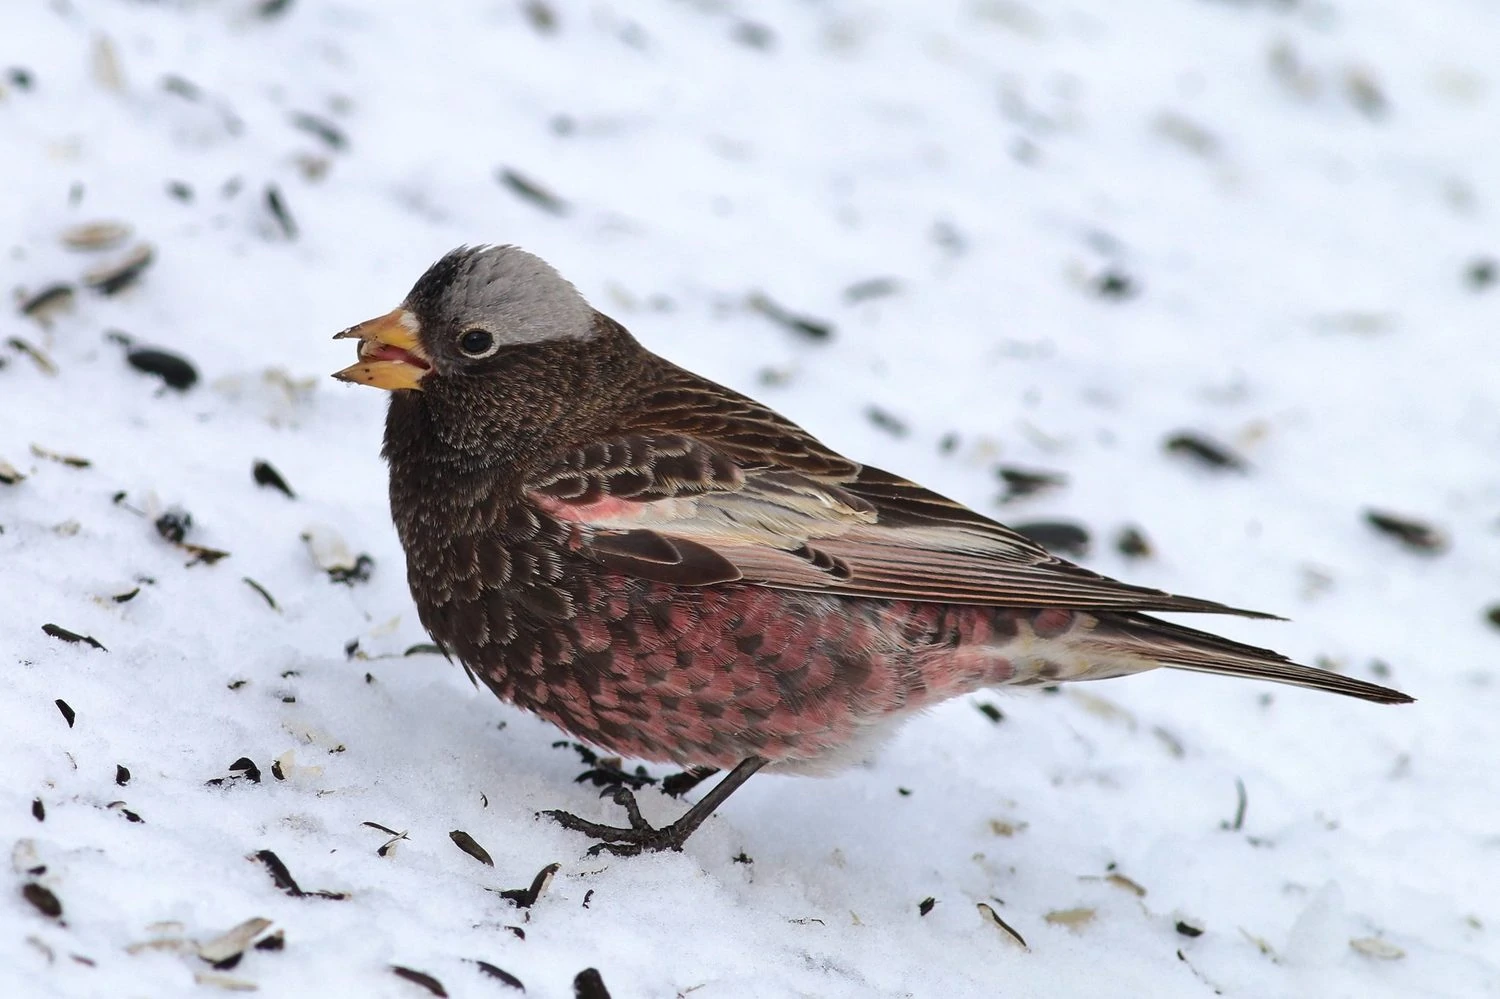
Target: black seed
x=266 y=475
x=525 y=898
x=1493 y=615
x=179 y=190
x=1116 y=285
x=500 y=973
x=529 y=190
x=280 y=876
x=742 y=858
x=237 y=684
x=1207 y=452
x=991 y=712
x=19 y=78
x=422 y=649
x=57 y=631
x=322 y=128
x=67 y=711
x=520 y=933
x=182 y=87
x=276 y=941
x=814 y=329
x=925 y=906
x=421 y=978
x=245 y=767
x=1022 y=482
x=265 y=595
x=754 y=35
x=889 y=422
x=116 y=277
x=905 y=792
x=1188 y=929
x=174 y=525
x=129 y=815
x=279 y=212
x=122 y=774
x=1480 y=274
x=948 y=443
x=177 y=371
x=466 y=843
x=203 y=554
x=38 y=810
x=1414 y=534
x=589 y=984
x=45 y=902
x=863 y=291
x=541 y=16
x=273 y=8
x=127 y=596
x=1056 y=536
x=276 y=770
x=51 y=297
x=1132 y=543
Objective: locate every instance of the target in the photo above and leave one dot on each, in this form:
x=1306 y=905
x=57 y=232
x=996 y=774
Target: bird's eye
x=477 y=343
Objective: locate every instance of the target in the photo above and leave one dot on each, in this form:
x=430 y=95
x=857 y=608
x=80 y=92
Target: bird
x=671 y=571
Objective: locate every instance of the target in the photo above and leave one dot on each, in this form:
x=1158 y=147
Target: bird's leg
x=640 y=835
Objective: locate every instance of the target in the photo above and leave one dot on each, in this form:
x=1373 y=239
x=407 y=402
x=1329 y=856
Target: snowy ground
x=1267 y=223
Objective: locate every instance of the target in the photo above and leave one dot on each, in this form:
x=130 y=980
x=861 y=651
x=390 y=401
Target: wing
x=707 y=486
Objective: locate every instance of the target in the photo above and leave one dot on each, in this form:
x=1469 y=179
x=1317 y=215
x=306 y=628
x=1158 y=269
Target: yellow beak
x=390 y=353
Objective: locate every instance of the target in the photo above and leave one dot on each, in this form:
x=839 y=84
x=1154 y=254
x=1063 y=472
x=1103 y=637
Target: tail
x=1137 y=636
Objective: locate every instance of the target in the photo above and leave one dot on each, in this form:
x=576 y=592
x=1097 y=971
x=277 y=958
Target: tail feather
x=1178 y=647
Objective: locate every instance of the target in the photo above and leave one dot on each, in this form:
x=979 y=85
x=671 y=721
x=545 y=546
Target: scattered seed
x=72 y=461
x=276 y=941
x=541 y=16
x=174 y=524
x=422 y=649
x=19 y=77
x=1208 y=453
x=1116 y=285
x=265 y=474
x=245 y=767
x=1021 y=482
x=1414 y=534
x=269 y=9
x=179 y=190
x=986 y=910
x=1493 y=615
x=322 y=128
x=500 y=973
x=678 y=784
x=1121 y=881
x=1173 y=744
x=1375 y=947
x=277 y=207
x=1061 y=537
x=332 y=555
x=1481 y=273
x=127 y=596
x=38 y=810
x=1131 y=543
x=95 y=235
x=991 y=712
x=223 y=951
x=280 y=876
x=529 y=190
x=122 y=774
x=177 y=371
x=814 y=329
x=63 y=706
x=129 y=815
x=46 y=303
x=116 y=277
x=1187 y=929
x=59 y=632
x=589 y=984
x=1365 y=93
x=421 y=978
x=265 y=595
x=9 y=475
x=1242 y=802
x=38 y=356
x=1073 y=919
x=203 y=554
x=46 y=903
x=925 y=906
x=525 y=898
x=466 y=843
x=871 y=288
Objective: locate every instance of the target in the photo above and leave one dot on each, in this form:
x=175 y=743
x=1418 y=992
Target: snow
x=1294 y=194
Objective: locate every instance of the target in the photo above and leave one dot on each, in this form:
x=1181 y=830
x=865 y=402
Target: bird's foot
x=639 y=837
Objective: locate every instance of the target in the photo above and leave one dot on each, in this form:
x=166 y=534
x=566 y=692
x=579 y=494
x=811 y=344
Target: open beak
x=390 y=354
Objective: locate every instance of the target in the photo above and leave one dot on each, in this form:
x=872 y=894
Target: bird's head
x=462 y=316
